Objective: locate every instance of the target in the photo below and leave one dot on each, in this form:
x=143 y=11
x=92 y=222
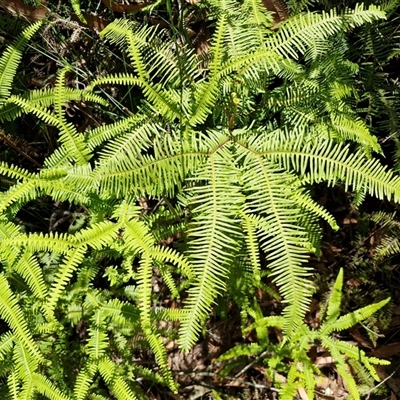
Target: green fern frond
x=68 y=134
x=97 y=136
x=72 y=260
x=121 y=313
x=309 y=30
x=14 y=383
x=337 y=350
x=215 y=222
x=98 y=338
x=45 y=387
x=117 y=383
x=321 y=160
x=14 y=171
x=266 y=322
x=10 y=59
x=246 y=349
x=284 y=241
x=154 y=175
x=34 y=242
x=84 y=380
x=335 y=299
x=118 y=79
x=249 y=224
x=76 y=5
x=352 y=318
x=45 y=98
x=11 y=312
x=28 y=267
x=305 y=201
x=6 y=344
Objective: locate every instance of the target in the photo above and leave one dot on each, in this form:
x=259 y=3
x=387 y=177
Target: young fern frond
x=6 y=344
x=27 y=267
x=98 y=338
x=353 y=318
x=45 y=98
x=72 y=260
x=335 y=299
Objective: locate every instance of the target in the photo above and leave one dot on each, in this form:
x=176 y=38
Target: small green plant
x=300 y=371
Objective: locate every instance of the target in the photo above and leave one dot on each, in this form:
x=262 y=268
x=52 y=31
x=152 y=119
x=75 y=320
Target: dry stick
x=242 y=371
x=381 y=383
x=12 y=144
x=228 y=378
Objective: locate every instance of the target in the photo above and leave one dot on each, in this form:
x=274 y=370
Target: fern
x=229 y=153
x=301 y=371
x=10 y=59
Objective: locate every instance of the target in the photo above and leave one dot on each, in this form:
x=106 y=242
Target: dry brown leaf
x=350 y=221
x=279 y=8
x=19 y=9
x=121 y=8
x=324 y=361
x=302 y=393
x=355 y=332
x=94 y=22
x=388 y=350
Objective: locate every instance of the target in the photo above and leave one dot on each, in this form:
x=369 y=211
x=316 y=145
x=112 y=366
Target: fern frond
x=45 y=387
x=305 y=201
x=14 y=171
x=27 y=366
x=216 y=221
x=98 y=338
x=72 y=260
x=28 y=267
x=10 y=59
x=117 y=383
x=335 y=299
x=249 y=224
x=283 y=240
x=44 y=98
x=98 y=236
x=309 y=30
x=11 y=312
x=6 y=344
x=156 y=175
x=14 y=383
x=266 y=322
x=84 y=380
x=246 y=349
x=97 y=136
x=68 y=134
x=322 y=160
x=351 y=319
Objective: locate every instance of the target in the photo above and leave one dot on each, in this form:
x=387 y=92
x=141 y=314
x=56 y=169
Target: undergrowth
x=204 y=185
